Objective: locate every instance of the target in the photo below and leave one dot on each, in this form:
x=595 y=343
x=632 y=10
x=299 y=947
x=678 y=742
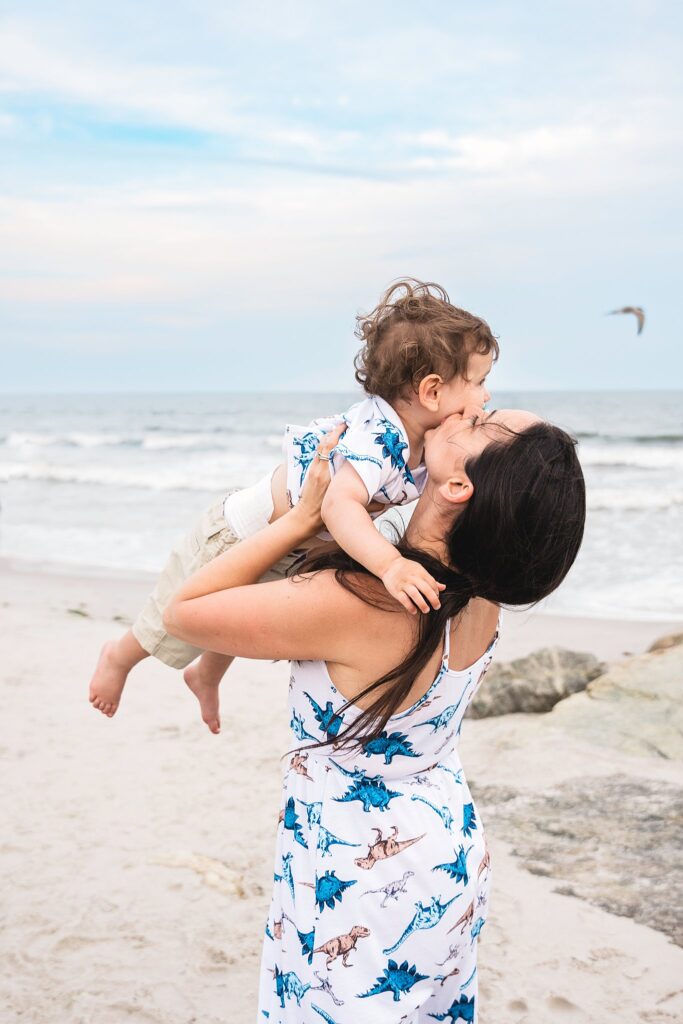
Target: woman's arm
x=223 y=608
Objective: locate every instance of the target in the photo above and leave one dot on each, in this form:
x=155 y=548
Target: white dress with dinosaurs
x=381 y=871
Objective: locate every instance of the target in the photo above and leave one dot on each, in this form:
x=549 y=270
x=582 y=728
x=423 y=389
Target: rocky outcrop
x=535 y=683
x=615 y=840
x=635 y=707
x=665 y=643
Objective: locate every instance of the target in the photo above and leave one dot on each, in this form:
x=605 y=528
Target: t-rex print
x=382 y=848
x=427 y=915
x=397 y=979
x=443 y=811
x=298 y=764
x=466 y=919
x=452 y=953
x=485 y=862
x=392 y=890
x=342 y=945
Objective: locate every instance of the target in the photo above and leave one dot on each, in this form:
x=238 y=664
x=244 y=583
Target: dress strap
x=447 y=643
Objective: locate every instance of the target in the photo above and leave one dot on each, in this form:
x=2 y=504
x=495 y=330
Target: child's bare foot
x=108 y=681
x=203 y=678
x=116 y=660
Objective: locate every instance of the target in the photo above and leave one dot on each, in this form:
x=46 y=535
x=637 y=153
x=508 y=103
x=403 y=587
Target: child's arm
x=345 y=515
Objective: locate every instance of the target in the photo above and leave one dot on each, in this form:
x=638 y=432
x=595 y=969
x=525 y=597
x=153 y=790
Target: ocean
x=108 y=481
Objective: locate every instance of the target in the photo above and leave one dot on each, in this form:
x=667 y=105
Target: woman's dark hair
x=513 y=544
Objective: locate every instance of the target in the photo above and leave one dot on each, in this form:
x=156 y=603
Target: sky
x=202 y=196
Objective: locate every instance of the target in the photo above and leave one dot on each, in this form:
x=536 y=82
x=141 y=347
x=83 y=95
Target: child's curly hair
x=415 y=331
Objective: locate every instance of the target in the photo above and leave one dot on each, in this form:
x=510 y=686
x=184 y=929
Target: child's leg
x=116 y=660
x=203 y=678
x=209 y=537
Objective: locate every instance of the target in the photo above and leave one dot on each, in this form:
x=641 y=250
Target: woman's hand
x=317 y=481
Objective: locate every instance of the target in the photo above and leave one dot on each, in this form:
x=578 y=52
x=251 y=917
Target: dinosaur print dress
x=381 y=868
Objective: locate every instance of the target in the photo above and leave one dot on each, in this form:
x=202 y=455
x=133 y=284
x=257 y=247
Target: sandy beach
x=136 y=857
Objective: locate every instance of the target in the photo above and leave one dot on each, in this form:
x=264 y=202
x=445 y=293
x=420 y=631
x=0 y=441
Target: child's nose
x=486 y=396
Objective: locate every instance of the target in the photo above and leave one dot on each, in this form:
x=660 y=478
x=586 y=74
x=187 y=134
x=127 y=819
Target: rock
x=615 y=841
x=535 y=683
x=635 y=707
x=665 y=643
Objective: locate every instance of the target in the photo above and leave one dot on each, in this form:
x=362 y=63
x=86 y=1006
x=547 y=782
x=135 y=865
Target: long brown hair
x=513 y=544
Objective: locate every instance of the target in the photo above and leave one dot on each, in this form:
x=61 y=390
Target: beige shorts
x=210 y=537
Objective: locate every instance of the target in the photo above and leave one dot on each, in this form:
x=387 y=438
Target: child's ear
x=428 y=392
x=457 y=490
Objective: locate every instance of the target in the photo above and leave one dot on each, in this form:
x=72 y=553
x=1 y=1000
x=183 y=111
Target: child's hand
x=410 y=584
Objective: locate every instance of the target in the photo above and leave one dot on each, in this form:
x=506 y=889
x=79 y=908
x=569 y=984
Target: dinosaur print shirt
x=376 y=445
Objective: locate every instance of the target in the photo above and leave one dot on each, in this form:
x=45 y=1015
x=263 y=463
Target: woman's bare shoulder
x=472 y=632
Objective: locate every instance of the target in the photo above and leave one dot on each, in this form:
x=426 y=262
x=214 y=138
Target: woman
x=382 y=873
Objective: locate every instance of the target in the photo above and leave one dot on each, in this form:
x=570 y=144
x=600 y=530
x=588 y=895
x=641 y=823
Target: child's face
x=460 y=393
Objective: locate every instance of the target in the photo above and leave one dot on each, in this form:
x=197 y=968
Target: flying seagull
x=637 y=311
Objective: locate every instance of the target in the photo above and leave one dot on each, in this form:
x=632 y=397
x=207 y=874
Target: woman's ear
x=458 y=489
x=428 y=392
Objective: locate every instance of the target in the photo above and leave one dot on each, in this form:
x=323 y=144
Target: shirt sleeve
x=358 y=448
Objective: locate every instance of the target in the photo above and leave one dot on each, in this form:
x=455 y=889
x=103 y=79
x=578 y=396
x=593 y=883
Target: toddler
x=422 y=360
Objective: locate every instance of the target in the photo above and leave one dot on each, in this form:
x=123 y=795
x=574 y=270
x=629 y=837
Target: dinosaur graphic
x=326 y=839
x=326 y=987
x=297 y=726
x=463 y=1009
x=289 y=985
x=443 y=719
x=469 y=980
x=291 y=819
x=393 y=447
x=305 y=938
x=452 y=953
x=286 y=873
x=456 y=775
x=342 y=945
x=421 y=779
x=390 y=745
x=444 y=977
x=466 y=919
x=392 y=890
x=425 y=916
x=456 y=869
x=298 y=764
x=485 y=862
x=395 y=979
x=313 y=811
x=382 y=849
x=324 y=1014
x=476 y=928
x=328 y=721
x=370 y=790
x=443 y=811
x=469 y=820
x=329 y=889
x=308 y=445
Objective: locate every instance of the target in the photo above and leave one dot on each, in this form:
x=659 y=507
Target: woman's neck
x=429 y=524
